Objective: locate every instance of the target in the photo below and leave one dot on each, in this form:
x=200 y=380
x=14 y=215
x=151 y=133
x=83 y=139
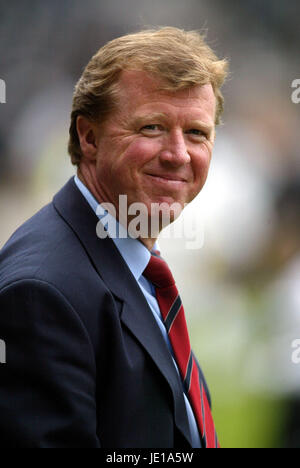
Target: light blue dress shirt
x=137 y=257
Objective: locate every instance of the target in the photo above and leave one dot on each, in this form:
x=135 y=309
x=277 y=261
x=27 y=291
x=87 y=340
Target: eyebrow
x=158 y=116
x=205 y=126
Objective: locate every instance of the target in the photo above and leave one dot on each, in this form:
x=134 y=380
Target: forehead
x=142 y=93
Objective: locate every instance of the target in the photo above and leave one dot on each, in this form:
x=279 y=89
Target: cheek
x=103 y=167
x=201 y=163
x=140 y=152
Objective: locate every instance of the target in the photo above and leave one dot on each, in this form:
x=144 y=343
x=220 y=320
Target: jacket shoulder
x=34 y=245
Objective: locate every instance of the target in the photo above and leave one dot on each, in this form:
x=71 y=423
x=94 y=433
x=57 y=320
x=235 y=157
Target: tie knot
x=158 y=272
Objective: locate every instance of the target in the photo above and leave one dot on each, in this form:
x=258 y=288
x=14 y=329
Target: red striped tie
x=158 y=272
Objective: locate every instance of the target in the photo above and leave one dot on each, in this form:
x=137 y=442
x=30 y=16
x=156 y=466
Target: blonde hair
x=180 y=59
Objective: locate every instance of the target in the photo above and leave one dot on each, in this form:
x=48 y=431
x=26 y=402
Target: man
x=97 y=350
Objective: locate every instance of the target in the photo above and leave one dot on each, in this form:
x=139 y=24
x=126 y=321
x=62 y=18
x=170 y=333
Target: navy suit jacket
x=86 y=364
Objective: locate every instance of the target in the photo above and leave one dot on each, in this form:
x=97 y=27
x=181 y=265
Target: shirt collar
x=135 y=254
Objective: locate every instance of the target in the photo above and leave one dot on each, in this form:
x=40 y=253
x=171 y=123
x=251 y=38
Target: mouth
x=168 y=179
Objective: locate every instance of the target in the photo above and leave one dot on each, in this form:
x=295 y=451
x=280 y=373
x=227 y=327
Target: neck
x=86 y=178
x=149 y=243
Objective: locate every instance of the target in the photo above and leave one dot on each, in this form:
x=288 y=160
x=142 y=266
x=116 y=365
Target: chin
x=166 y=208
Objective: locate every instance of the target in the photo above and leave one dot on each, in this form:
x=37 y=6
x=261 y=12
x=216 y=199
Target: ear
x=87 y=135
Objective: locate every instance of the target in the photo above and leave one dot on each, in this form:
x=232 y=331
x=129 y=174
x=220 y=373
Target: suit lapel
x=136 y=314
x=140 y=321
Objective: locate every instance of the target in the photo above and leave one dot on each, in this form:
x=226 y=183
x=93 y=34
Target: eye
x=152 y=129
x=197 y=133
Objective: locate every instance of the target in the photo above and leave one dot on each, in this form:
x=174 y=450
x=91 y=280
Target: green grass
x=248 y=421
x=244 y=417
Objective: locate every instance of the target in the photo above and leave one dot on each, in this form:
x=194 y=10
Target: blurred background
x=241 y=288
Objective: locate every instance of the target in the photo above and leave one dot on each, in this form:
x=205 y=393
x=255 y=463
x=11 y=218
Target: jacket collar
x=136 y=314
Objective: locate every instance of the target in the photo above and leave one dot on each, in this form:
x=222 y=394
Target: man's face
x=156 y=147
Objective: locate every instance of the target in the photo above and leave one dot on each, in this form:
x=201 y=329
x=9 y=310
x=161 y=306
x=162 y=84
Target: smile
x=167 y=180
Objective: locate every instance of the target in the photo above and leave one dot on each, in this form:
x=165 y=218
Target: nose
x=175 y=150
